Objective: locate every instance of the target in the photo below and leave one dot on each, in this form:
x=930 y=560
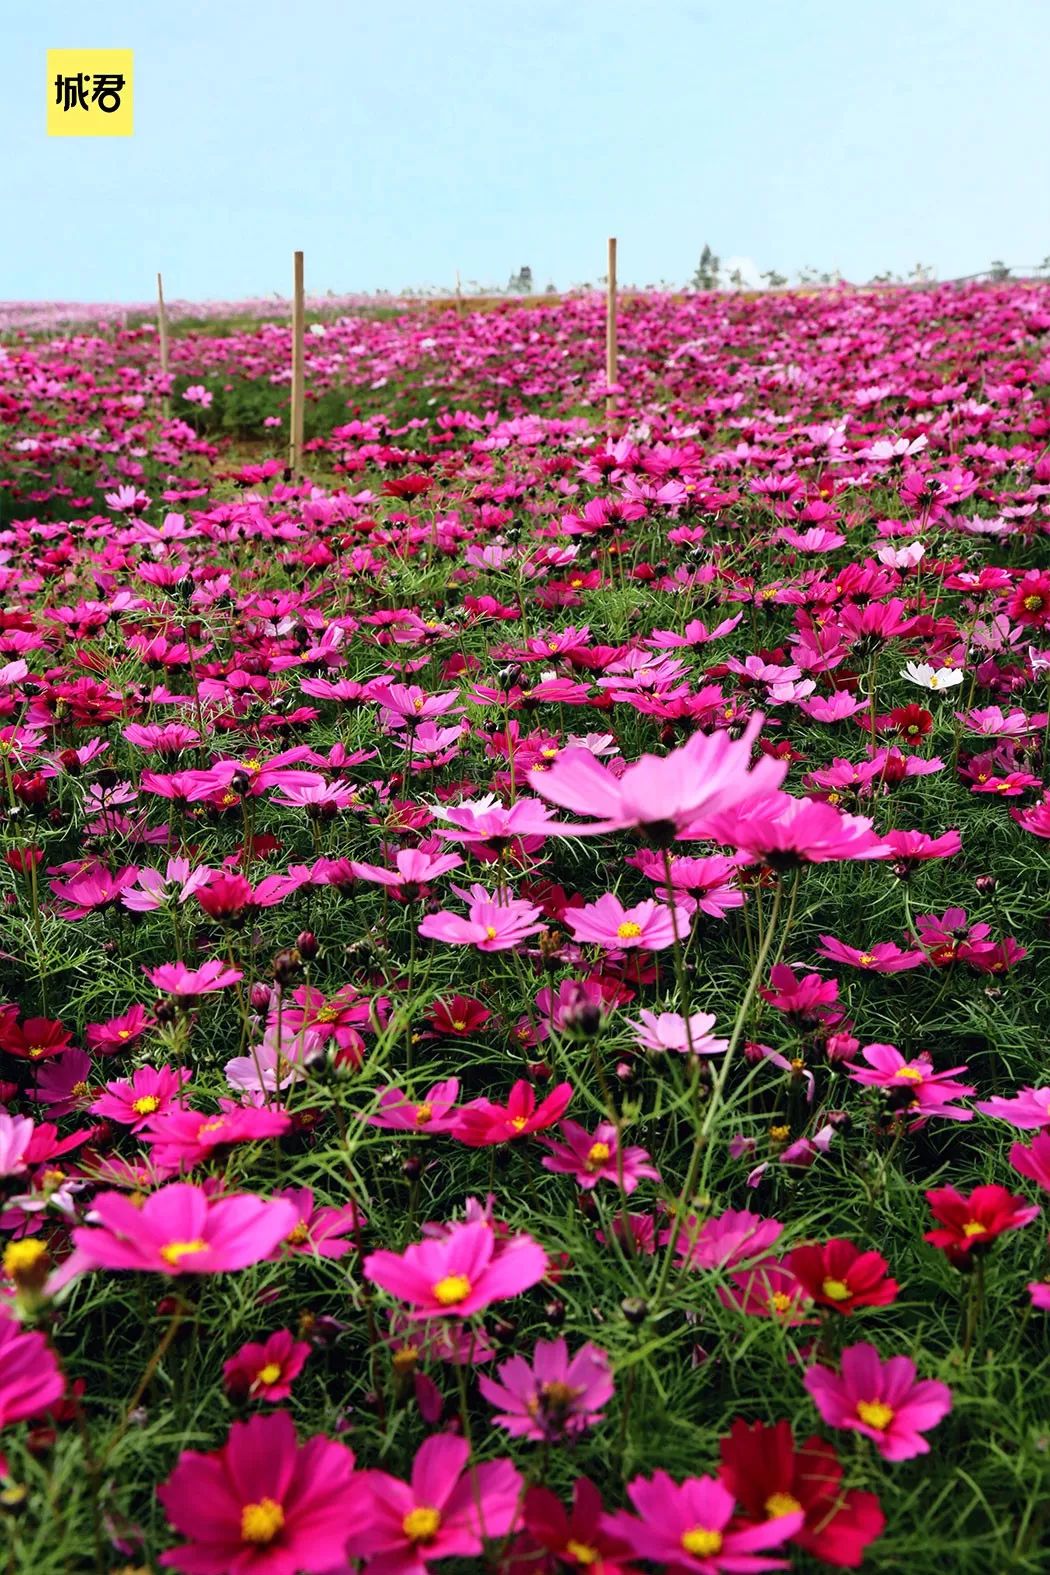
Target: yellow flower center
x=261 y=1522
x=405 y=1359
x=79 y=1090
x=705 y=1544
x=780 y=1134
x=454 y=1288
x=19 y=1256
x=519 y=1123
x=875 y=1413
x=175 y=1251
x=268 y=1374
x=1033 y=603
x=421 y=1524
x=423 y=1114
x=866 y=959
x=912 y=1073
x=974 y=1228
x=327 y=1014
x=780 y=1302
x=298 y=1234
x=836 y=1290
x=582 y=1552
x=211 y=1126
x=778 y=1504
x=628 y=930
x=597 y=1155
x=146 y=1105
x=490 y=931
x=123 y=1033
x=459 y=1024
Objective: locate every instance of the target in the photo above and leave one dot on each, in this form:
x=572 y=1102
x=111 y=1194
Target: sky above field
x=398 y=143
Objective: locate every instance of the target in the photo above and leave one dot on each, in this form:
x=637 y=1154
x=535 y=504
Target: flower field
x=523 y=1012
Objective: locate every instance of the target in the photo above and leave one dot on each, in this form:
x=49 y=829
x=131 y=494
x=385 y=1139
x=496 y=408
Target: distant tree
x=736 y=279
x=775 y=281
x=922 y=273
x=707 y=271
x=520 y=283
x=998 y=272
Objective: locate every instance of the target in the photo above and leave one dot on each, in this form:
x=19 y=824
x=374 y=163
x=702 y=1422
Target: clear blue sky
x=399 y=141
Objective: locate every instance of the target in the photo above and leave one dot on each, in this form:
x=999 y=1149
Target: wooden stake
x=295 y=431
x=162 y=334
x=610 y=322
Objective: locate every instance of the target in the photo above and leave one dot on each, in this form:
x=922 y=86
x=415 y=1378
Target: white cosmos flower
x=932 y=677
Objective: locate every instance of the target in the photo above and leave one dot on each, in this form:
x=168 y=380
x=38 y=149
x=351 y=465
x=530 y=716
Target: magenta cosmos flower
x=30 y=1380
x=932 y=1092
x=882 y=1400
x=458 y=1274
x=648 y=926
x=785 y=832
x=591 y=1158
x=685 y=1526
x=264 y=1370
x=483 y=1122
x=444 y=1511
x=664 y=797
x=181 y=1230
x=1028 y=1110
x=149 y=1092
x=553 y=1397
x=263 y=1504
x=435 y=1112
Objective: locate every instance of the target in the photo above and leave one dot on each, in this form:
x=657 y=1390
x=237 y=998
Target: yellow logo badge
x=89 y=92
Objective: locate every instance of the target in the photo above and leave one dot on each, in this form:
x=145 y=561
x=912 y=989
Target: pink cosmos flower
x=484 y=1122
x=486 y=824
x=882 y=1400
x=119 y=1033
x=181 y=1229
x=685 y=1528
x=95 y=889
x=264 y=1371
x=321 y=1228
x=660 y=1031
x=1028 y=1110
x=931 y=1092
x=552 y=1398
x=62 y=1083
x=491 y=925
x=186 y=983
x=263 y=1504
x=662 y=796
x=785 y=832
x=30 y=1379
x=435 y=1112
x=591 y=1158
x=446 y=1510
x=1033 y=1160
x=883 y=957
x=908 y=849
x=805 y=997
x=150 y=1092
x=180 y=1138
x=458 y=1274
x=648 y=926
x=413 y=869
x=16 y=1134
x=727 y=1240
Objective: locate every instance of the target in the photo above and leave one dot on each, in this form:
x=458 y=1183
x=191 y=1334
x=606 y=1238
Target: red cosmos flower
x=459 y=1015
x=1030 y=602
x=912 y=722
x=580 y=1537
x=769 y=1477
x=838 y=1274
x=33 y=1039
x=483 y=1122
x=264 y=1370
x=969 y=1224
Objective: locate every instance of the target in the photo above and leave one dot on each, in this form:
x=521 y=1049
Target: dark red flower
x=970 y=1224
x=837 y=1274
x=768 y=1477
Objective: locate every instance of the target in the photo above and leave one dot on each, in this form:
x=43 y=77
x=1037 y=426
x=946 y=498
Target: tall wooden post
x=295 y=429
x=610 y=322
x=162 y=335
